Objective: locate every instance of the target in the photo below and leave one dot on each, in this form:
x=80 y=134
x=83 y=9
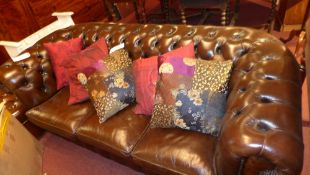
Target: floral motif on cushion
x=191 y=94
x=110 y=93
x=87 y=61
x=146 y=75
x=112 y=88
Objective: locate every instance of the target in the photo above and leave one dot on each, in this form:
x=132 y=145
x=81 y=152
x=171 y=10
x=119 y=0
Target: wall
x=20 y=18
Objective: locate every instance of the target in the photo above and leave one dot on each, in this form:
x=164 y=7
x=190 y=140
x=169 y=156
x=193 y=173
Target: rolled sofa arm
x=31 y=80
x=13 y=104
x=262 y=132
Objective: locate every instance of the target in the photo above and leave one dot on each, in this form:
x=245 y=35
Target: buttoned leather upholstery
x=261 y=131
x=58 y=117
x=157 y=151
x=118 y=135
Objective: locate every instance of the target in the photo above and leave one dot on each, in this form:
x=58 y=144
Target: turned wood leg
x=111 y=10
x=235 y=16
x=167 y=11
x=227 y=13
x=143 y=12
x=135 y=4
x=144 y=16
x=183 y=17
x=223 y=17
x=272 y=15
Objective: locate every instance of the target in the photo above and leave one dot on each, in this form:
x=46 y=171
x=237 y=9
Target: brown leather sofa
x=261 y=132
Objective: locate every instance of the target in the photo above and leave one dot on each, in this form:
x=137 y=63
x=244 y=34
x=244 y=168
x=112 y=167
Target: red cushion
x=145 y=73
x=58 y=52
x=87 y=62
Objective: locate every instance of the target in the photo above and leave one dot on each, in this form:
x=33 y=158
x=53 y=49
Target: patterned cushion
x=145 y=73
x=112 y=88
x=58 y=52
x=191 y=94
x=87 y=61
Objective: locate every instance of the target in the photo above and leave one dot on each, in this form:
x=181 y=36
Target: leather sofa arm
x=262 y=129
x=13 y=104
x=31 y=80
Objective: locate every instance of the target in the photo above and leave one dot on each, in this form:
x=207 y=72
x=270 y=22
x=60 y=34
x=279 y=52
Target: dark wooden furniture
x=163 y=16
x=304 y=41
x=205 y=6
x=307 y=58
x=292 y=14
x=20 y=18
x=268 y=25
x=168 y=7
x=114 y=11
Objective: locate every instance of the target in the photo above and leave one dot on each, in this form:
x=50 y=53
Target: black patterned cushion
x=111 y=89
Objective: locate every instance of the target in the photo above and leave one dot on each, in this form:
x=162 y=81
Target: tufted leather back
x=33 y=81
x=264 y=103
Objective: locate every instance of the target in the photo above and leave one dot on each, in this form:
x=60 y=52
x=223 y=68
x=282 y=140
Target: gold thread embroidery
x=211 y=75
x=117 y=60
x=166 y=68
x=189 y=61
x=162 y=116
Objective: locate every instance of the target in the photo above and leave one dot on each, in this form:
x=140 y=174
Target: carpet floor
x=62 y=157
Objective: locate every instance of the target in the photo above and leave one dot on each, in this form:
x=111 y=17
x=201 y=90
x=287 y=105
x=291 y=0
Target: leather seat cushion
x=119 y=134
x=175 y=151
x=57 y=116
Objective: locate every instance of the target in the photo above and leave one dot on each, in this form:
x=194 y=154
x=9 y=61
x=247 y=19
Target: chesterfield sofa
x=261 y=132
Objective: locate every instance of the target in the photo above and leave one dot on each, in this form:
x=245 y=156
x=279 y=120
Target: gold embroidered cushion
x=191 y=94
x=112 y=88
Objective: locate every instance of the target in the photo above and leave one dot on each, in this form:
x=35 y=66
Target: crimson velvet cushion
x=87 y=61
x=145 y=72
x=58 y=52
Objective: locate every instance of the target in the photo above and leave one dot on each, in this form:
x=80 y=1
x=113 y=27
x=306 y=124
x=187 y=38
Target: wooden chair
x=303 y=46
x=113 y=7
x=205 y=6
x=307 y=58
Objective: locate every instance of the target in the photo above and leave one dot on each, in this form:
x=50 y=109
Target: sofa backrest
x=33 y=81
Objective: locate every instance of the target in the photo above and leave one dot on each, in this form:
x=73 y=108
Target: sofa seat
x=175 y=151
x=119 y=134
x=58 y=117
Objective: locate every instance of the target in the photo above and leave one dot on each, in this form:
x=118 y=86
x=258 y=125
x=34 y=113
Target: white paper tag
x=21 y=57
x=117 y=47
